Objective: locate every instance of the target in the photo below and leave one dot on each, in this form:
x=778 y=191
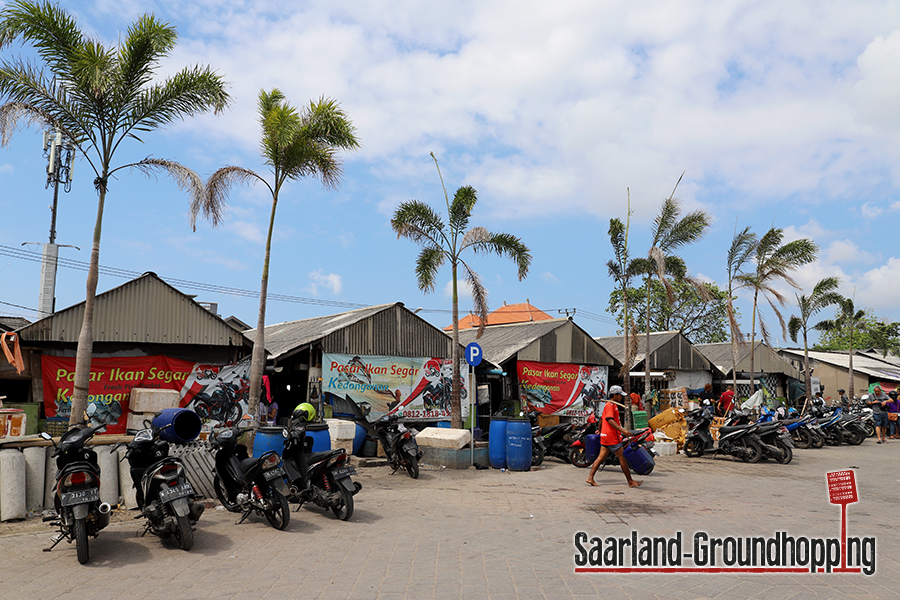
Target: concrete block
x=136 y=420
x=109 y=474
x=50 y=471
x=439 y=437
x=35 y=463
x=12 y=485
x=126 y=485
x=153 y=400
x=453 y=458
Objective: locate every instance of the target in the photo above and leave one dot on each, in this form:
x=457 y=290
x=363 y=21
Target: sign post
x=842 y=490
x=473 y=357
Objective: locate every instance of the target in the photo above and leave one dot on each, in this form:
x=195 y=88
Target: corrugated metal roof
x=615 y=344
x=12 y=323
x=144 y=310
x=385 y=329
x=864 y=364
x=720 y=355
x=501 y=342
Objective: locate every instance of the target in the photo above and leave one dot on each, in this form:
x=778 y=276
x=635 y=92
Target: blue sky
x=777 y=113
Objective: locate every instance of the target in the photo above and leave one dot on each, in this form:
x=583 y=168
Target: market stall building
x=833 y=370
x=779 y=376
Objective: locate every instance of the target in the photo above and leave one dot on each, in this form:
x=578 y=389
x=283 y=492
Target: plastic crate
x=640 y=419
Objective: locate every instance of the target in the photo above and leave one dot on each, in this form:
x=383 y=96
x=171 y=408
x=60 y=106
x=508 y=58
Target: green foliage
x=699 y=320
x=868 y=332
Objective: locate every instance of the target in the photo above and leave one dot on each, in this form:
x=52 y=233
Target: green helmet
x=304 y=412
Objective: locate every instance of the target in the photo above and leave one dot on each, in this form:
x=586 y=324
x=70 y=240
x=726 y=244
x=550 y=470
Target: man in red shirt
x=611 y=432
x=726 y=402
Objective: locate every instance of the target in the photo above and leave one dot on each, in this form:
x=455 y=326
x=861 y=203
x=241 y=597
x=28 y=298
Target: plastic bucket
x=320 y=436
x=518 y=444
x=185 y=425
x=268 y=438
x=497 y=442
x=592 y=446
x=359 y=439
x=639 y=459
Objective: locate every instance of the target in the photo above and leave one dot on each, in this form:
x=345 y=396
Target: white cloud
x=845 y=251
x=6 y=169
x=869 y=211
x=331 y=281
x=463 y=289
x=549 y=277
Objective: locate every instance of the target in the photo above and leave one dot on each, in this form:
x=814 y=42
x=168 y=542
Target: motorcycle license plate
x=409 y=447
x=79 y=497
x=274 y=473
x=167 y=494
x=343 y=472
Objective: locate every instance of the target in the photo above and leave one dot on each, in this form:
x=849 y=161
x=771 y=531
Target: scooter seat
x=552 y=428
x=733 y=428
x=324 y=455
x=247 y=464
x=789 y=421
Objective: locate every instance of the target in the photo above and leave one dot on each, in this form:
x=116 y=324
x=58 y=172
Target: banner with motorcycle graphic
x=218 y=393
x=562 y=389
x=110 y=385
x=417 y=388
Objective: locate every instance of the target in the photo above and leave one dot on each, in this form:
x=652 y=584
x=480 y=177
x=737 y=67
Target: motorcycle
x=772 y=436
x=246 y=485
x=556 y=439
x=77 y=510
x=578 y=454
x=224 y=404
x=320 y=477
x=163 y=493
x=399 y=444
x=735 y=441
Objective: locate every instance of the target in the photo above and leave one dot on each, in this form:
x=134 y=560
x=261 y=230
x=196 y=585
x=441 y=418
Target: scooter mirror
x=46 y=436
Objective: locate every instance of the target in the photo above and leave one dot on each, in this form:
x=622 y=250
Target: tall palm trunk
x=86 y=337
x=626 y=367
x=850 y=382
x=753 y=344
x=455 y=404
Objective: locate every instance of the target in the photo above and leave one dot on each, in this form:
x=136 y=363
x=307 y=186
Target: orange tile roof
x=508 y=313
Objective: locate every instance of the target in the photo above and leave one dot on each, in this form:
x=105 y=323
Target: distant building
x=508 y=313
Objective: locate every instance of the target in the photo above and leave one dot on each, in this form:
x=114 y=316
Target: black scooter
x=246 y=485
x=556 y=439
x=163 y=493
x=772 y=436
x=319 y=477
x=399 y=444
x=78 y=511
x=735 y=441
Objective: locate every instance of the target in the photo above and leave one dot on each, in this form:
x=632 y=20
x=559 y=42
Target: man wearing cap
x=611 y=432
x=845 y=401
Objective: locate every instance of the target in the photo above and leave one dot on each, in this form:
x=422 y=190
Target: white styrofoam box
x=666 y=448
x=339 y=428
x=153 y=400
x=441 y=437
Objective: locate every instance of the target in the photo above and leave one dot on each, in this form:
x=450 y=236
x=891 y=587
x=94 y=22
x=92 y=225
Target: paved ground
x=490 y=535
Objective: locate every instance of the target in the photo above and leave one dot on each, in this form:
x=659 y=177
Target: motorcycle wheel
x=346 y=509
x=222 y=495
x=870 y=429
x=818 y=440
x=787 y=454
x=693 y=447
x=802 y=438
x=754 y=454
x=835 y=437
x=537 y=455
x=412 y=465
x=579 y=458
x=183 y=533
x=860 y=438
x=280 y=514
x=81 y=541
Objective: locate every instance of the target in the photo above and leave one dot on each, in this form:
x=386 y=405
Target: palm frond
x=461 y=208
x=427 y=265
x=417 y=221
x=795 y=325
x=186 y=179
x=479 y=296
x=214 y=200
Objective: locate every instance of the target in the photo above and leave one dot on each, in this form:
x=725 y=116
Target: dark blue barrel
x=518 y=444
x=443 y=424
x=639 y=459
x=592 y=446
x=321 y=438
x=359 y=439
x=177 y=425
x=268 y=438
x=497 y=442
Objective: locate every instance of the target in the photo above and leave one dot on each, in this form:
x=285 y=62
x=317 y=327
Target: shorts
x=881 y=419
x=613 y=447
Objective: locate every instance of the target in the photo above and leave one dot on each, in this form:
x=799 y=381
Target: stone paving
x=491 y=535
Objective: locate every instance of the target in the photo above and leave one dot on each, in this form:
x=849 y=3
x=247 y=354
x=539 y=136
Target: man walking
x=611 y=432
x=878 y=403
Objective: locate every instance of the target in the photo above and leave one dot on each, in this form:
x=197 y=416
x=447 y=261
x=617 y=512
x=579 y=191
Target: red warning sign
x=842 y=487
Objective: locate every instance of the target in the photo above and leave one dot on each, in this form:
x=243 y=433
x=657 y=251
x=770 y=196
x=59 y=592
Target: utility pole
x=59 y=154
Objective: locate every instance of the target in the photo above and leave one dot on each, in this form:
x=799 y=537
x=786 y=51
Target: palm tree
x=97 y=98
x=669 y=233
x=847 y=321
x=295 y=144
x=774 y=263
x=742 y=249
x=620 y=270
x=441 y=243
x=823 y=294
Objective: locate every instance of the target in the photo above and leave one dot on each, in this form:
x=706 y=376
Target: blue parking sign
x=473 y=354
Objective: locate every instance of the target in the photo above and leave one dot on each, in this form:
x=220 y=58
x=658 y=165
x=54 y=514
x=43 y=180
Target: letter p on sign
x=473 y=354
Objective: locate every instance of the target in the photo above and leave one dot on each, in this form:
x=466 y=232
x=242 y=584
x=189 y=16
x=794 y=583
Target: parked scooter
x=735 y=441
x=163 y=493
x=772 y=436
x=78 y=511
x=578 y=454
x=557 y=439
x=319 y=477
x=399 y=444
x=246 y=485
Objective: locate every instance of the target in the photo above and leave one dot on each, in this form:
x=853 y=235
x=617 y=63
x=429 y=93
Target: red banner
x=111 y=382
x=561 y=388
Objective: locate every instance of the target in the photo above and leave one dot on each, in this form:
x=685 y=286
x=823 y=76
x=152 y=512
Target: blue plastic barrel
x=497 y=442
x=518 y=444
x=268 y=438
x=177 y=425
x=639 y=459
x=443 y=424
x=592 y=446
x=320 y=436
x=359 y=439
